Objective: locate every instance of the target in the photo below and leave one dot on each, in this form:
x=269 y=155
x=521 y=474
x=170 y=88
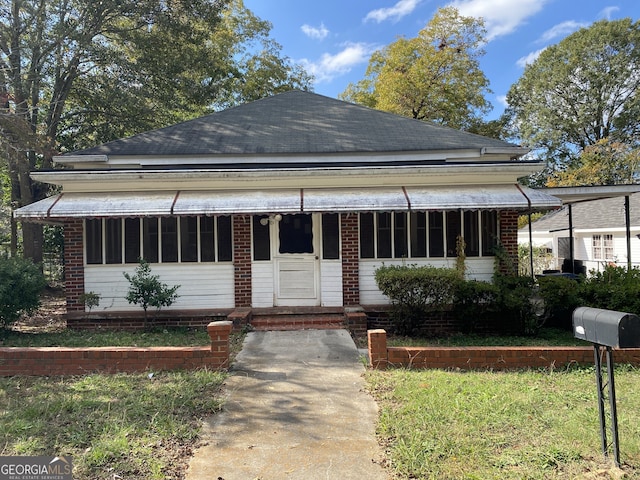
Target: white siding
x=262 y=284
x=331 y=283
x=201 y=285
x=477 y=269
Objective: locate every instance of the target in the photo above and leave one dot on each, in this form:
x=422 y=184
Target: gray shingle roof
x=605 y=213
x=295 y=122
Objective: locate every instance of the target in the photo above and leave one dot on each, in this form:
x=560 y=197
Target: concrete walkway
x=295 y=409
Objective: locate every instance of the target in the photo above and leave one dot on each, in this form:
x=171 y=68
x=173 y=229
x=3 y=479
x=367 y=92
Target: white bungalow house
x=596 y=219
x=292 y=200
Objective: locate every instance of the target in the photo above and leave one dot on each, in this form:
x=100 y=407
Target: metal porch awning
x=285 y=201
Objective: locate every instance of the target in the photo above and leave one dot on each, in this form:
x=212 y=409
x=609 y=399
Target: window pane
x=113 y=240
x=131 y=240
x=608 y=247
x=150 y=240
x=296 y=233
x=93 y=234
x=330 y=236
x=453 y=231
x=225 y=249
x=489 y=232
x=471 y=234
x=436 y=232
x=261 y=241
x=366 y=235
x=384 y=235
x=597 y=247
x=188 y=239
x=400 y=249
x=169 y=240
x=207 y=251
x=418 y=235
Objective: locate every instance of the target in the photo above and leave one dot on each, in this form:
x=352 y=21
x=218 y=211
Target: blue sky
x=334 y=39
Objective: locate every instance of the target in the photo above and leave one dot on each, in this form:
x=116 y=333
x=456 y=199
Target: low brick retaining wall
x=495 y=358
x=78 y=361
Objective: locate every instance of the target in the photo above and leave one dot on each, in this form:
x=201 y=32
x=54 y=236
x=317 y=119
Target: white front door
x=296 y=260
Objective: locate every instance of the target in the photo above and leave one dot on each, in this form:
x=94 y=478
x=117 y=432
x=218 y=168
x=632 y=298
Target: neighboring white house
x=599 y=231
x=293 y=200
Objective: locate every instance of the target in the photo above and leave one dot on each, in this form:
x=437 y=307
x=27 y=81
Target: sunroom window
x=166 y=240
x=427 y=234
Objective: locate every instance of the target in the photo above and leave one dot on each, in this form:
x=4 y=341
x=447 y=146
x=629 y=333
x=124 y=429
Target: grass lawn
x=134 y=427
x=439 y=424
x=547 y=337
x=104 y=338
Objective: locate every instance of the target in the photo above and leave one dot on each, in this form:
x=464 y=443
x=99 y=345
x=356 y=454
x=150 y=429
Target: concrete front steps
x=298 y=322
x=300 y=318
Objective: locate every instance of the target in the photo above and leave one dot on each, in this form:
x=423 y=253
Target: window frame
x=604 y=244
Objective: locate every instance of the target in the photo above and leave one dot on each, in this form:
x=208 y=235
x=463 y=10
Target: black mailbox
x=606 y=327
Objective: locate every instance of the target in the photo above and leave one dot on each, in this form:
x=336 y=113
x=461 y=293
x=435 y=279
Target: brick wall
x=73 y=264
x=350 y=260
x=242 y=259
x=509 y=239
x=78 y=361
x=495 y=358
x=135 y=321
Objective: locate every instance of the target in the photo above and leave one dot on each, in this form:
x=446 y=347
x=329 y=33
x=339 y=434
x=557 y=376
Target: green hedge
x=509 y=304
x=614 y=288
x=416 y=291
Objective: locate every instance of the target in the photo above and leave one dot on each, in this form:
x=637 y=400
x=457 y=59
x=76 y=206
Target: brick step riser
x=297 y=322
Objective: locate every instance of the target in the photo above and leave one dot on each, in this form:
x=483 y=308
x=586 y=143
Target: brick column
x=219 y=333
x=242 y=259
x=350 y=259
x=509 y=240
x=378 y=357
x=73 y=264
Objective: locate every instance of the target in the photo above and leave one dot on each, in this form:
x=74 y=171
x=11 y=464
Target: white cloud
x=399 y=10
x=501 y=17
x=318 y=33
x=502 y=100
x=607 y=13
x=528 y=59
x=330 y=66
x=561 y=30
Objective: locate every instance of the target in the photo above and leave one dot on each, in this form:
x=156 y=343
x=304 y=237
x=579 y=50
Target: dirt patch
x=50 y=317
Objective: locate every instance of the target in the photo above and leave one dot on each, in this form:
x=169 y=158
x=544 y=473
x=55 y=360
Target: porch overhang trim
x=286 y=201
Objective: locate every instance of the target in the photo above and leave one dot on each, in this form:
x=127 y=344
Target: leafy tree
x=605 y=163
x=435 y=76
x=74 y=73
x=177 y=70
x=20 y=284
x=580 y=92
x=147 y=290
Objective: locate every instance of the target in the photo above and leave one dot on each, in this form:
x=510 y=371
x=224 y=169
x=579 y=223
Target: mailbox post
x=607 y=329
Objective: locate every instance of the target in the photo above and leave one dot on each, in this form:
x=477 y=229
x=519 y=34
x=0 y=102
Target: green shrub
x=475 y=304
x=615 y=288
x=20 y=284
x=147 y=290
x=416 y=291
x=514 y=307
x=560 y=296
